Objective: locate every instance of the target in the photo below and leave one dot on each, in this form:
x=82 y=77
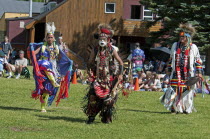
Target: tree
x=174 y=12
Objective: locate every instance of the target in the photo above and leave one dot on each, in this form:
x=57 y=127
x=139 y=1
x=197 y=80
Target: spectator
x=62 y=45
x=6 y=47
x=78 y=72
x=138 y=58
x=2 y=62
x=19 y=65
x=141 y=77
x=147 y=80
x=148 y=66
x=13 y=56
x=202 y=88
x=129 y=60
x=154 y=83
x=166 y=79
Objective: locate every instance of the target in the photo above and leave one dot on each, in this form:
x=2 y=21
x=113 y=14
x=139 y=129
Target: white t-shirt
x=158 y=84
x=21 y=62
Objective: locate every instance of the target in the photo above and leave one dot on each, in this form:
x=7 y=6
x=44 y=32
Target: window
x=147 y=14
x=22 y=24
x=110 y=7
x=135 y=11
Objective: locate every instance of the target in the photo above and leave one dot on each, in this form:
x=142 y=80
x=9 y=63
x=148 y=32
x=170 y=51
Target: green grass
x=139 y=116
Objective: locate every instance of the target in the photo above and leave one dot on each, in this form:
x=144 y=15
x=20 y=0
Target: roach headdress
x=105 y=30
x=50 y=28
x=187 y=30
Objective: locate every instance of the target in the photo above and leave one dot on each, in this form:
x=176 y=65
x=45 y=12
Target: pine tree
x=174 y=12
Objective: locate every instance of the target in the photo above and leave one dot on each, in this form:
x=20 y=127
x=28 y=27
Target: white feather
x=50 y=27
x=53 y=27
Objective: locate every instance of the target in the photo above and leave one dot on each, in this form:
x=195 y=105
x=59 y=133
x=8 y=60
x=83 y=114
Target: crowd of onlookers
x=11 y=61
x=148 y=79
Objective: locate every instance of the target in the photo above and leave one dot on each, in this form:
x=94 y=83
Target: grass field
x=139 y=116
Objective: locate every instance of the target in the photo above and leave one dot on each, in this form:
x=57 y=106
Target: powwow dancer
x=185 y=62
x=51 y=69
x=102 y=93
x=62 y=44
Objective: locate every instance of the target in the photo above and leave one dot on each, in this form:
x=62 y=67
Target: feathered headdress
x=105 y=30
x=50 y=27
x=187 y=30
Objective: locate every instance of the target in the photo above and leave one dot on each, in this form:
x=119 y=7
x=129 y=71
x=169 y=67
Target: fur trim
x=188 y=28
x=106 y=26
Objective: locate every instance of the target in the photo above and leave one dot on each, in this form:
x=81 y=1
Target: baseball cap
x=138 y=69
x=21 y=52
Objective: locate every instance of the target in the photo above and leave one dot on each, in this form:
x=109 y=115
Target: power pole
x=30 y=8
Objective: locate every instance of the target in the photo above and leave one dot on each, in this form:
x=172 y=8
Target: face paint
x=102 y=43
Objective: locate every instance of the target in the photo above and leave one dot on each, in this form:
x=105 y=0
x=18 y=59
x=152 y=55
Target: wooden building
x=17 y=33
x=15 y=9
x=77 y=20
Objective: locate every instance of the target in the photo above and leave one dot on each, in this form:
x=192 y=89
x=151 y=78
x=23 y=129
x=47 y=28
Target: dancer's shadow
x=20 y=109
x=144 y=111
x=71 y=119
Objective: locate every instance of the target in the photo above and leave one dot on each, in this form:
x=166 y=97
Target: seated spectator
x=141 y=77
x=147 y=81
x=78 y=72
x=166 y=79
x=19 y=65
x=154 y=83
x=148 y=66
x=3 y=60
x=202 y=88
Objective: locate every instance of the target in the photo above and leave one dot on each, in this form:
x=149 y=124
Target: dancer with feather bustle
x=52 y=69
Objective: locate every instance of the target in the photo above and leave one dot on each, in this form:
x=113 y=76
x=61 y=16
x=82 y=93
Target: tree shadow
x=71 y=119
x=21 y=109
x=145 y=111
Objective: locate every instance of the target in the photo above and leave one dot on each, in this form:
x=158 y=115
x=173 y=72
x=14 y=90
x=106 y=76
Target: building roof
x=16 y=6
x=40 y=16
x=18 y=18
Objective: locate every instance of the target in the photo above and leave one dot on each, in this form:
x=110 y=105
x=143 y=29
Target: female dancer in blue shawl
x=48 y=72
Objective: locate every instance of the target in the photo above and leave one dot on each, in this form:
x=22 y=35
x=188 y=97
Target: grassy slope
x=139 y=116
